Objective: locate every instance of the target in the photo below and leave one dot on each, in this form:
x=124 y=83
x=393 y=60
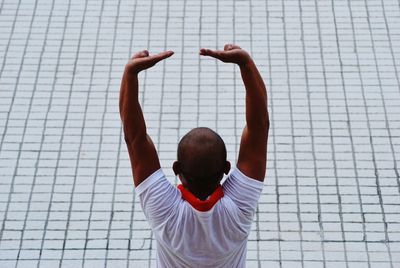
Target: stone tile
x=331 y=194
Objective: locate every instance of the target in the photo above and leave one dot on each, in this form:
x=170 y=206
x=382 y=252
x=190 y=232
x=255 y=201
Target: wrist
x=246 y=64
x=131 y=70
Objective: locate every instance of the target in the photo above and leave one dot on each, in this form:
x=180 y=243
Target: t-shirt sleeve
x=244 y=192
x=158 y=197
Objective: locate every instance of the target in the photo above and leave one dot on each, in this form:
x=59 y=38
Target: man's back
x=200 y=223
x=187 y=237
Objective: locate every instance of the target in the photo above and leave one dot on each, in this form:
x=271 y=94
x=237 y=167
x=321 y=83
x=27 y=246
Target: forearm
x=253 y=145
x=256 y=98
x=131 y=113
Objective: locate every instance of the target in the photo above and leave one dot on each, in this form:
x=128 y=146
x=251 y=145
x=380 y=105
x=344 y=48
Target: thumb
x=141 y=54
x=228 y=47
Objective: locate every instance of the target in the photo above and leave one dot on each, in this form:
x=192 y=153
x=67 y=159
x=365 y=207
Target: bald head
x=201 y=159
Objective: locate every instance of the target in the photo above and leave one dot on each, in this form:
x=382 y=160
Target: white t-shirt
x=187 y=237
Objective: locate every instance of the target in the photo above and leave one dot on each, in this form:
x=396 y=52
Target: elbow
x=260 y=124
x=264 y=123
x=265 y=127
x=267 y=123
x=134 y=136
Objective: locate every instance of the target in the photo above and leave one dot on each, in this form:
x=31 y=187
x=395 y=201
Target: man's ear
x=227 y=167
x=176 y=167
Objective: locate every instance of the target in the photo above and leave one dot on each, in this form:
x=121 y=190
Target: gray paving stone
x=332 y=192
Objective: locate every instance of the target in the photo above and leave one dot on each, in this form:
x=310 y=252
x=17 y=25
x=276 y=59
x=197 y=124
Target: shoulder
x=156 y=178
x=238 y=179
x=157 y=189
x=243 y=191
x=159 y=199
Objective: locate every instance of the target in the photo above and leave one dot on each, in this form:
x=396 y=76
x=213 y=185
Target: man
x=200 y=223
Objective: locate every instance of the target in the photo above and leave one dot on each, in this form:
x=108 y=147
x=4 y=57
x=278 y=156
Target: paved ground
x=332 y=192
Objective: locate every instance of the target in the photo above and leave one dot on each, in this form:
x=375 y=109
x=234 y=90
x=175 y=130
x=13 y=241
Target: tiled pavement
x=332 y=192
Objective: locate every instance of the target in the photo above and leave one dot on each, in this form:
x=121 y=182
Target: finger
x=204 y=51
x=228 y=47
x=162 y=56
x=141 y=54
x=212 y=53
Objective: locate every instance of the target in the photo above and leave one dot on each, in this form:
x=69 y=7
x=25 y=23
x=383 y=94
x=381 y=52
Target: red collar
x=200 y=204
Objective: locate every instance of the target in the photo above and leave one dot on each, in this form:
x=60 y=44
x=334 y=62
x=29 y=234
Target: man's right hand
x=231 y=53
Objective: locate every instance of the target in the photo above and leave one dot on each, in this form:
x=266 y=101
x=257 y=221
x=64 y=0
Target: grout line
x=293 y=141
x=131 y=222
x=107 y=91
x=115 y=181
x=81 y=139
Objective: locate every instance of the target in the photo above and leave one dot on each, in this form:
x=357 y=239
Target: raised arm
x=142 y=153
x=253 y=146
